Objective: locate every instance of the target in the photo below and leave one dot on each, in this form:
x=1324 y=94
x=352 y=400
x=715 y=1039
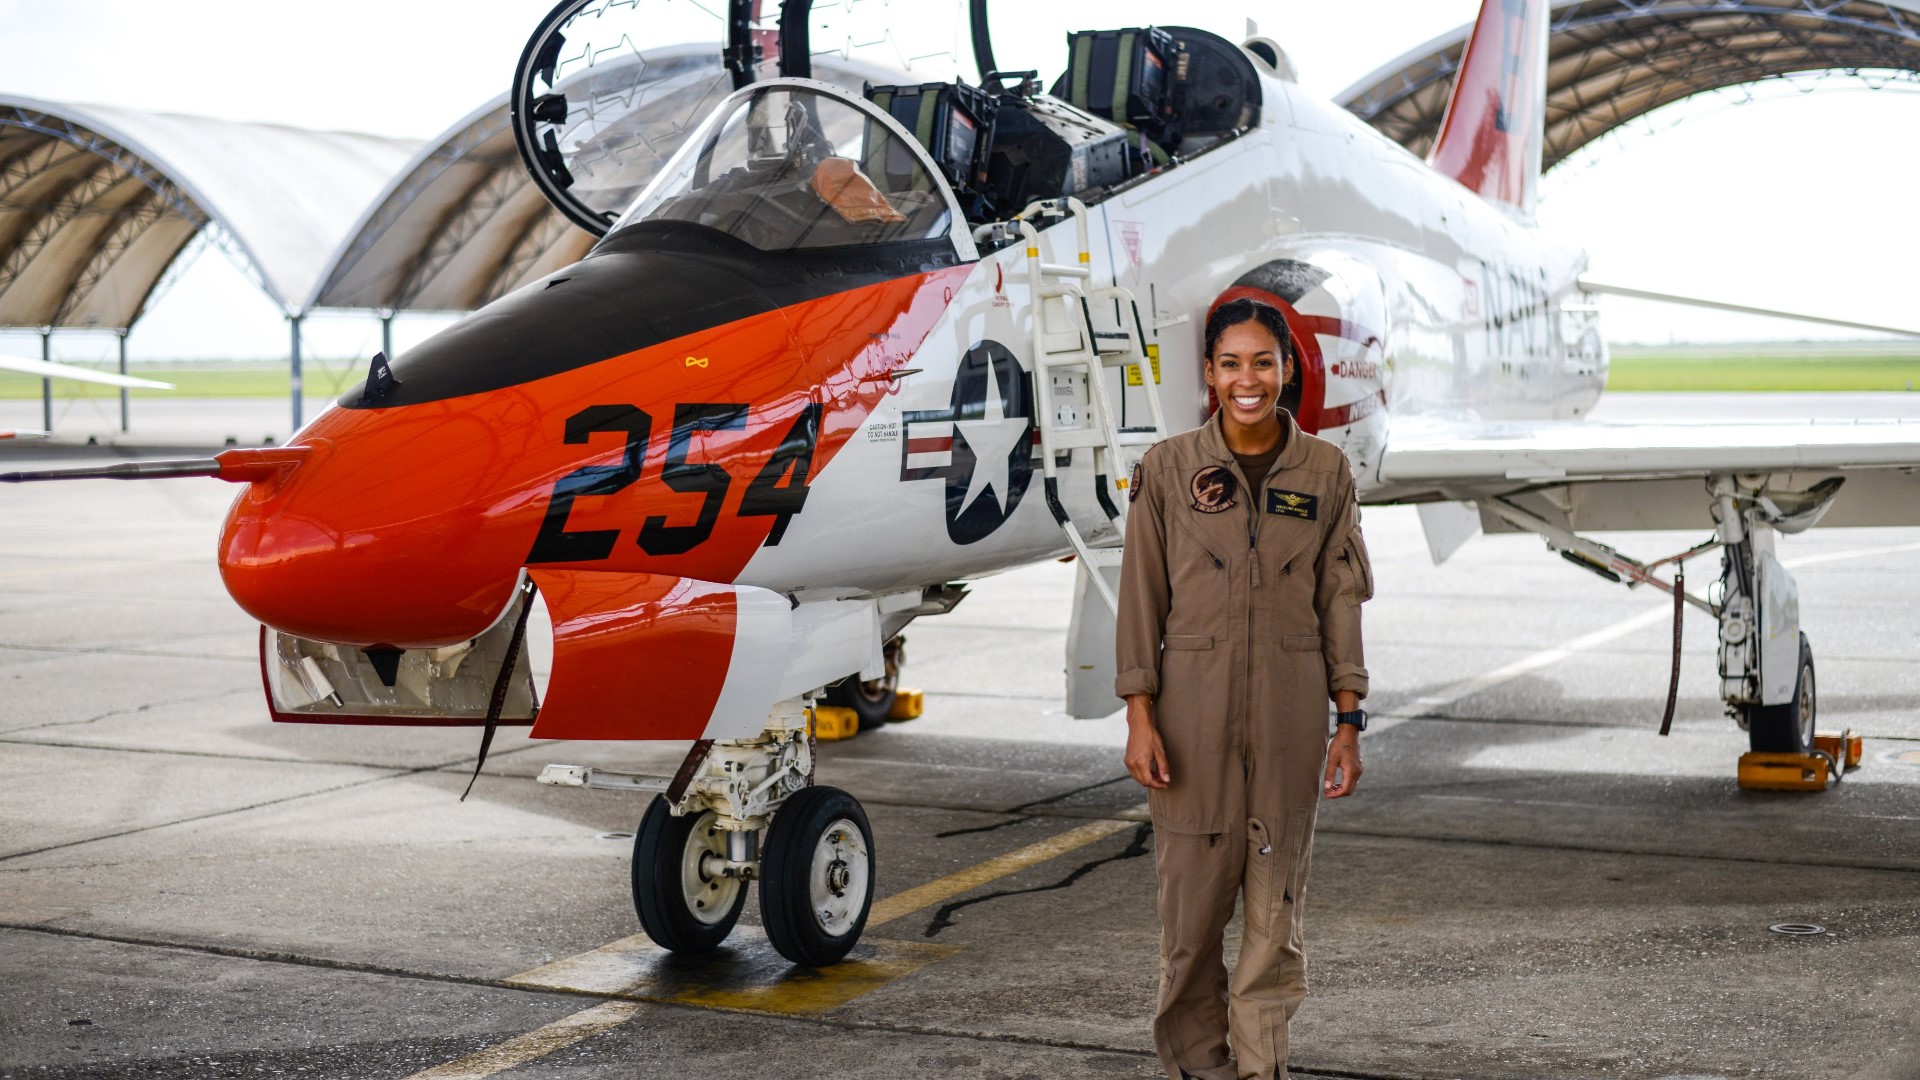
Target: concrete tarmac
x=1530 y=883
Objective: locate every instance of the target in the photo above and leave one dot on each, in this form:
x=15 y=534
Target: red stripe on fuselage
x=408 y=526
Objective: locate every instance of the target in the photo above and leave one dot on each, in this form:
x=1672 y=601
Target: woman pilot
x=1240 y=600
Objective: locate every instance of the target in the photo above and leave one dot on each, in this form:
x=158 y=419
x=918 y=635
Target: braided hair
x=1245 y=309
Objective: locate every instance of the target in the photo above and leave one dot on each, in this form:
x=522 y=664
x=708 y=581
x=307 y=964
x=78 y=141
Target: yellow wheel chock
x=907 y=705
x=1832 y=756
x=831 y=723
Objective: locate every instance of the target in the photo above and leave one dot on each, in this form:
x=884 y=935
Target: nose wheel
x=816 y=883
x=683 y=906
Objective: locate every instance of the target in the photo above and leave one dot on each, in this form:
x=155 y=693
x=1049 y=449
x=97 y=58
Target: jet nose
x=307 y=553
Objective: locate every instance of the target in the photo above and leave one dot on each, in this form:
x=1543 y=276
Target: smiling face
x=1246 y=371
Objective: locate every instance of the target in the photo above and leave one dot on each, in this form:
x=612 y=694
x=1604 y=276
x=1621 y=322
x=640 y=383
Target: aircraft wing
x=1609 y=289
x=1603 y=476
x=78 y=374
x=16 y=434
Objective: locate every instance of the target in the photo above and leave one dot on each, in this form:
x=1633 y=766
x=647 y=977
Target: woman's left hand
x=1343 y=763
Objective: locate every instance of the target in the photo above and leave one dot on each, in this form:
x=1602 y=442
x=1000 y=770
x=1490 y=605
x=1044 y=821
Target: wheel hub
x=837 y=881
x=709 y=896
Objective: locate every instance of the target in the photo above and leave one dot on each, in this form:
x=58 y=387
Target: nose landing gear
x=700 y=844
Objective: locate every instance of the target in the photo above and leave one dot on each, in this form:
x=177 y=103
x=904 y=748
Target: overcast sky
x=1797 y=200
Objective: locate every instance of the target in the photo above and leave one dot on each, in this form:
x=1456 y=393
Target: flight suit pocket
x=1359 y=568
x=1300 y=643
x=1297 y=844
x=1195 y=692
x=1266 y=879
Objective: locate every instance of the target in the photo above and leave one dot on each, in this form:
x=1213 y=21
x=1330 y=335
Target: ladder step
x=1074 y=438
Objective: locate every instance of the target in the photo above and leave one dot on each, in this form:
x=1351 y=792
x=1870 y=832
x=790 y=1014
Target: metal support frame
x=293 y=380
x=1617 y=60
x=46 y=384
x=386 y=334
x=125 y=394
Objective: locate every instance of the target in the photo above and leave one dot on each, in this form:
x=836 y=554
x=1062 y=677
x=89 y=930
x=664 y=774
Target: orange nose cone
x=329 y=552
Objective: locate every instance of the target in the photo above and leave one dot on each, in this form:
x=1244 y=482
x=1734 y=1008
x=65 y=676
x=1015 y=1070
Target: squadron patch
x=1293 y=504
x=1213 y=489
x=1133 y=486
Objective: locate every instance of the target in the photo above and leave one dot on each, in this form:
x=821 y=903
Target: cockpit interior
x=791 y=168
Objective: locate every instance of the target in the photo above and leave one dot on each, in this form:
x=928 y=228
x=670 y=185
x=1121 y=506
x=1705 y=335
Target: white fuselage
x=1453 y=309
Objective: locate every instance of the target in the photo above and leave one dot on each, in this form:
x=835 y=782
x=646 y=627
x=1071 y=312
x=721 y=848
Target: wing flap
x=1496 y=453
x=1627 y=476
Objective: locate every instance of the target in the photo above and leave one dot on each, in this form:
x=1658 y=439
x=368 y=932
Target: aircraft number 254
x=766 y=495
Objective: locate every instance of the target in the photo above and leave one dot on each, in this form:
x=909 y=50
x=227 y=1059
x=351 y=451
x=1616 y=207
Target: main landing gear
x=742 y=811
x=1765 y=663
x=871 y=699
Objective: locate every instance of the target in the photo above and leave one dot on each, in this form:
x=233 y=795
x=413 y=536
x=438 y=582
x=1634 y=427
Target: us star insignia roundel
x=981 y=444
x=1213 y=489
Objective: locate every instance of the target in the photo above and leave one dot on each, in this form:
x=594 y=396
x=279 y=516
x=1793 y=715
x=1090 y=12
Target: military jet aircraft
x=851 y=347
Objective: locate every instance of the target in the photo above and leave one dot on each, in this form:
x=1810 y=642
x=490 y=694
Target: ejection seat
x=1180 y=88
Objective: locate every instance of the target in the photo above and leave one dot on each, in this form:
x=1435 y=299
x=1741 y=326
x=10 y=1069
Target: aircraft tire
x=683 y=909
x=1787 y=728
x=816 y=876
x=871 y=700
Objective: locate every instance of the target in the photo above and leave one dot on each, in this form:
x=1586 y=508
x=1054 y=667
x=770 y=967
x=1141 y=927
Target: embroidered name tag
x=1293 y=504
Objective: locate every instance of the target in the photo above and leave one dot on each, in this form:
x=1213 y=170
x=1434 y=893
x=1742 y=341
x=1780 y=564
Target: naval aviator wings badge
x=1293 y=504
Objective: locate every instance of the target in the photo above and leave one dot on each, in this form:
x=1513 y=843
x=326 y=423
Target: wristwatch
x=1358 y=718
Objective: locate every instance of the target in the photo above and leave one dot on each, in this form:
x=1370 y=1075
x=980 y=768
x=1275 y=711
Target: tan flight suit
x=1240 y=613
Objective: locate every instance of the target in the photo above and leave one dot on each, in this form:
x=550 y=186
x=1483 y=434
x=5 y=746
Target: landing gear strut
x=740 y=811
x=1765 y=662
x=871 y=699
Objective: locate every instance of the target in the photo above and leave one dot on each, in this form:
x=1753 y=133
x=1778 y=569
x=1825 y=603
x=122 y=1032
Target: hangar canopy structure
x=463 y=224
x=1611 y=61
x=96 y=204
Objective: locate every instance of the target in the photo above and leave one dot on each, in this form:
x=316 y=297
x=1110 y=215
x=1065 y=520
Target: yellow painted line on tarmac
x=537 y=1043
x=946 y=888
x=746 y=974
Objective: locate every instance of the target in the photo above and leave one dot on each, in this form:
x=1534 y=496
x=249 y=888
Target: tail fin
x=1495 y=125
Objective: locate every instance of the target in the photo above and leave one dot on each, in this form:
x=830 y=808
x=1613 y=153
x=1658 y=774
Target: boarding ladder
x=1068 y=339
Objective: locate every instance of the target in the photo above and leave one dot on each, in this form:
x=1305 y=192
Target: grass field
x=1796 y=366
x=226 y=379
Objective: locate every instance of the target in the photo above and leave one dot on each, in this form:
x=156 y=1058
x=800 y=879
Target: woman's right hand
x=1146 y=757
